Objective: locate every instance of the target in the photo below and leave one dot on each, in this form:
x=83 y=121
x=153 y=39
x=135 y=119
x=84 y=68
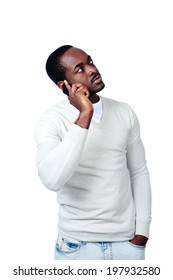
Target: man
x=90 y=153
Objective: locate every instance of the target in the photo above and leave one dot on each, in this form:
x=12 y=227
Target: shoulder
x=49 y=123
x=53 y=112
x=122 y=111
x=55 y=115
x=118 y=107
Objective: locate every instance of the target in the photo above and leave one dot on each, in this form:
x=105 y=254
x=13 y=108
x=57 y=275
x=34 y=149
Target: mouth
x=96 y=79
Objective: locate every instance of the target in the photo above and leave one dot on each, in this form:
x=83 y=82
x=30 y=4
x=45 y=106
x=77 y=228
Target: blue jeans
x=78 y=250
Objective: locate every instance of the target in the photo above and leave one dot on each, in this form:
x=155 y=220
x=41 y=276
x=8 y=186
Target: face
x=80 y=68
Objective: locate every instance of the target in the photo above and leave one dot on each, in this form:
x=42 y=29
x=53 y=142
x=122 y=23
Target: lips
x=96 y=78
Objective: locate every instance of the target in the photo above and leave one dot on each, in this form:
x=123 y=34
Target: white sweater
x=100 y=174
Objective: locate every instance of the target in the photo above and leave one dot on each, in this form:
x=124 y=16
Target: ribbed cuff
x=142 y=227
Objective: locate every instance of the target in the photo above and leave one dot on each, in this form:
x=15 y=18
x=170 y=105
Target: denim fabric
x=78 y=250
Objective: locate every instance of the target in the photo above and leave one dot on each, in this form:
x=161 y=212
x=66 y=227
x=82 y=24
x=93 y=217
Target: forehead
x=72 y=57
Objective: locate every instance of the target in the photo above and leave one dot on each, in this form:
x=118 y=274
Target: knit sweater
x=99 y=174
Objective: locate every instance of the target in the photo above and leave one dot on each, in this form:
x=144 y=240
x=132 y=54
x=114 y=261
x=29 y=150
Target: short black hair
x=54 y=69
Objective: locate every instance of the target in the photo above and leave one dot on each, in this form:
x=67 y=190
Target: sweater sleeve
x=58 y=158
x=139 y=177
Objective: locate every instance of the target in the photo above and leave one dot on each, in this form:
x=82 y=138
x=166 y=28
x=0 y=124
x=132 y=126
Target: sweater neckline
x=104 y=112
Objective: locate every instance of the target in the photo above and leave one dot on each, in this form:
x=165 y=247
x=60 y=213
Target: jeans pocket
x=136 y=246
x=64 y=247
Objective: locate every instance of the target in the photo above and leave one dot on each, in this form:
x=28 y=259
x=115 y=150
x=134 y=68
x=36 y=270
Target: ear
x=60 y=84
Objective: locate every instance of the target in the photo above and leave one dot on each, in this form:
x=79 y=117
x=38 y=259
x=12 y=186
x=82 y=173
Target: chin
x=97 y=89
x=100 y=87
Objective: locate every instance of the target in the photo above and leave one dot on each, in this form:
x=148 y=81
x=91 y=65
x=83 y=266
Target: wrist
x=84 y=118
x=88 y=113
x=139 y=240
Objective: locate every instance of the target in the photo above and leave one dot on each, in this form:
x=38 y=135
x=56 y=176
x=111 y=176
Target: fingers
x=67 y=85
x=82 y=90
x=77 y=88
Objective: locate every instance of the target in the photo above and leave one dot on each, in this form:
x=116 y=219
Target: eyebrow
x=81 y=63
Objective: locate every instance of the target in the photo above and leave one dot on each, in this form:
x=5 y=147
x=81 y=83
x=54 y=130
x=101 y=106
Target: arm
x=140 y=182
x=57 y=159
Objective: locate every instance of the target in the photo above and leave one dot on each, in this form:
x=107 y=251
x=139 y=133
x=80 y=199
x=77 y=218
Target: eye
x=80 y=70
x=91 y=62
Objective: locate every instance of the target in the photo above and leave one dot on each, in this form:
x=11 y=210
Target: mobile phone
x=65 y=90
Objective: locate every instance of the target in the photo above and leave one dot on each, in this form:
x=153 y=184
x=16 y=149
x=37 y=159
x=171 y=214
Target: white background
x=131 y=43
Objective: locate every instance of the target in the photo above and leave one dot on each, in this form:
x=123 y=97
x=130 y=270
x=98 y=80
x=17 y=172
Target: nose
x=92 y=70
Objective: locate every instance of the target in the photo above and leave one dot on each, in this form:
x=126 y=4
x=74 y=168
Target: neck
x=94 y=98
